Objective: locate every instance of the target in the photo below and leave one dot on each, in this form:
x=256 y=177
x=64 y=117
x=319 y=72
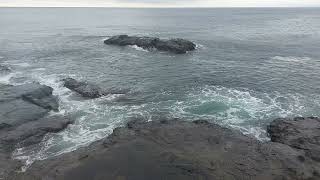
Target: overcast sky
x=161 y=3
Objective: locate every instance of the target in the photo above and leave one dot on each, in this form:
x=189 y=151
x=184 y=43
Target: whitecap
x=17 y=63
x=138 y=48
x=200 y=46
x=6 y=79
x=40 y=69
x=105 y=38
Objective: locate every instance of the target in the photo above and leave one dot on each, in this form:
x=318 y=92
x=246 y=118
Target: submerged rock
x=89 y=90
x=178 y=46
x=174 y=149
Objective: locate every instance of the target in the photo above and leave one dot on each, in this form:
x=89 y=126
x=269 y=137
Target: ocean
x=251 y=65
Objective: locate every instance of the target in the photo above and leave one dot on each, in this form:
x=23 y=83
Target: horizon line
x=160 y=7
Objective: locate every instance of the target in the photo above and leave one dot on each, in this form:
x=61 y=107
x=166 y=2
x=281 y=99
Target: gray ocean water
x=250 y=66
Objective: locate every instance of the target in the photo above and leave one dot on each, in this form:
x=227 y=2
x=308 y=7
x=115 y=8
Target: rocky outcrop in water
x=190 y=150
x=178 y=46
x=25 y=119
x=85 y=89
x=89 y=90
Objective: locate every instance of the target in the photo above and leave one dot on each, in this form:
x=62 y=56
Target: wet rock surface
x=23 y=103
x=85 y=89
x=300 y=133
x=8 y=165
x=89 y=90
x=175 y=149
x=32 y=132
x=25 y=120
x=178 y=46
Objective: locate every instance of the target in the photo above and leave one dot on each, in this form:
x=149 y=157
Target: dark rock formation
x=24 y=103
x=173 y=149
x=86 y=89
x=178 y=46
x=299 y=133
x=89 y=90
x=32 y=132
x=24 y=120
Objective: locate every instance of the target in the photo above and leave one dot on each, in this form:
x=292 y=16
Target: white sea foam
x=138 y=48
x=21 y=64
x=236 y=108
x=5 y=79
x=256 y=132
x=200 y=46
x=40 y=69
x=96 y=118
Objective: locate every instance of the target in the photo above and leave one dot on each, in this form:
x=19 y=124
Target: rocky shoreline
x=163 y=149
x=25 y=119
x=177 y=149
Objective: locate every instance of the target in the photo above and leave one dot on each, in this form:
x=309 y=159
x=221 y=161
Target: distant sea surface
x=250 y=67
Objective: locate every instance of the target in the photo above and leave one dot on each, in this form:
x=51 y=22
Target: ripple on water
x=291 y=59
